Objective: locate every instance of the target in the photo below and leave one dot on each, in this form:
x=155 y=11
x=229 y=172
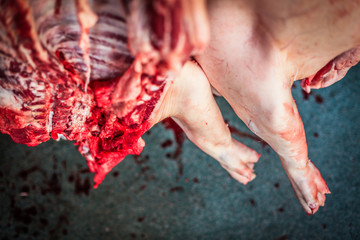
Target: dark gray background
x=45 y=191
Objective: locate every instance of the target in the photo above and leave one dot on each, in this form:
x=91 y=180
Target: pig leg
x=271 y=113
x=284 y=131
x=189 y=101
x=266 y=105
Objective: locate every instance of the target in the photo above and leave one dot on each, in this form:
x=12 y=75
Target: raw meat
x=55 y=82
x=161 y=35
x=164 y=33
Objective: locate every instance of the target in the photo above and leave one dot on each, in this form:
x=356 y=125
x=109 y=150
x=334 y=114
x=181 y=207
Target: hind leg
x=284 y=131
x=263 y=100
x=189 y=101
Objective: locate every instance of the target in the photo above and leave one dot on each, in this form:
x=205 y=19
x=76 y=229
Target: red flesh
x=90 y=118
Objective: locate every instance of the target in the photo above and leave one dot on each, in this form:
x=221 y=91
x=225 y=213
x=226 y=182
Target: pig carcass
x=66 y=71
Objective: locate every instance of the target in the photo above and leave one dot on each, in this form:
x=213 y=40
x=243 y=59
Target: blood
x=67 y=65
x=306 y=95
x=196 y=180
x=316 y=134
x=142 y=187
x=22 y=215
x=276 y=185
x=23 y=26
x=71 y=178
x=177 y=189
x=319 y=99
x=283 y=237
x=14 y=67
x=319 y=75
x=52 y=185
x=252 y=202
x=294 y=131
x=180 y=139
x=145 y=169
x=140 y=219
x=25 y=173
x=241 y=134
x=178 y=134
x=82 y=187
x=57 y=7
x=166 y=143
x=139 y=160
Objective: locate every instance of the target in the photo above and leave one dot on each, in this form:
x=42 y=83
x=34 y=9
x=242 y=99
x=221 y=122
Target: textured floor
x=174 y=191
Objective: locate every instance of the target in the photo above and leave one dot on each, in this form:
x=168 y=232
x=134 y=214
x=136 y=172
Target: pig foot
x=309 y=186
x=240 y=167
x=189 y=101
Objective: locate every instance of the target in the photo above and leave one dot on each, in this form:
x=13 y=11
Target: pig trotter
x=239 y=161
x=309 y=186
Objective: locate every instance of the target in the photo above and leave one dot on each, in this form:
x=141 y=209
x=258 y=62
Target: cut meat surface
x=57 y=75
x=163 y=33
x=332 y=72
x=162 y=36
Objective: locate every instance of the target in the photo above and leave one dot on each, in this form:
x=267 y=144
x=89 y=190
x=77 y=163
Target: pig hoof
x=241 y=178
x=309 y=186
x=239 y=161
x=243 y=175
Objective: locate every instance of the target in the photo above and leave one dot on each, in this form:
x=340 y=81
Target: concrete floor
x=174 y=191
